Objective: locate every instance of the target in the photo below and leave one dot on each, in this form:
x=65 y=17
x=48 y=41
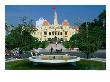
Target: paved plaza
x=46 y=51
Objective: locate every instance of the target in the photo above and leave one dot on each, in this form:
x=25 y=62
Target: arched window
x=55 y=33
x=52 y=33
x=60 y=33
x=45 y=33
x=49 y=33
x=65 y=33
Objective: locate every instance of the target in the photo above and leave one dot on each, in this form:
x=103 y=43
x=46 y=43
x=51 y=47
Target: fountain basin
x=54 y=59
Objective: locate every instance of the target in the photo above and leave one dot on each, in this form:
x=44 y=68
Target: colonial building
x=54 y=31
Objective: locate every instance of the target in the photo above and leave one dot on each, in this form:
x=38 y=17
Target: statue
x=34 y=52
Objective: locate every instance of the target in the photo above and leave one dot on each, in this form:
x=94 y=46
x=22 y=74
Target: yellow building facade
x=58 y=31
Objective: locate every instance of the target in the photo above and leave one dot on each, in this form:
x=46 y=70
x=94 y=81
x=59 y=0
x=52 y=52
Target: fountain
x=55 y=55
x=53 y=59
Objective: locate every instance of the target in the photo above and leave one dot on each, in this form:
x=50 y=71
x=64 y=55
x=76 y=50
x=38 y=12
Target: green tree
x=21 y=38
x=102 y=21
x=66 y=44
x=91 y=35
x=8 y=28
x=88 y=40
x=43 y=44
x=73 y=40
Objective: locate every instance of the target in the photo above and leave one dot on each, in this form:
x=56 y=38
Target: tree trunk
x=87 y=54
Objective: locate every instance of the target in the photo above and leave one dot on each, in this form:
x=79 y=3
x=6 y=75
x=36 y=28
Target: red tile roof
x=45 y=23
x=65 y=23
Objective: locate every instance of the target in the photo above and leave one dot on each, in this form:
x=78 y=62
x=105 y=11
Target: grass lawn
x=80 y=65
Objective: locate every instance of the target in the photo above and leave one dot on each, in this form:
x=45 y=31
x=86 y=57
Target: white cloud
x=39 y=22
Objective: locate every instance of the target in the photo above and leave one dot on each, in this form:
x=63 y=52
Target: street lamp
x=87 y=30
x=87 y=37
x=61 y=42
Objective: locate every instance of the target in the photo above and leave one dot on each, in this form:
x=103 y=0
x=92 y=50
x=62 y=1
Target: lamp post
x=72 y=45
x=87 y=39
x=75 y=40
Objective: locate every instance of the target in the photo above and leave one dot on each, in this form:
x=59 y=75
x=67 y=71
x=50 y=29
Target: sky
x=75 y=14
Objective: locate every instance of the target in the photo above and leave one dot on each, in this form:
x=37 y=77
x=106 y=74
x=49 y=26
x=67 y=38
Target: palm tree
x=8 y=28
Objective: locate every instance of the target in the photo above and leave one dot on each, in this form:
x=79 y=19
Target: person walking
x=51 y=49
x=56 y=44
